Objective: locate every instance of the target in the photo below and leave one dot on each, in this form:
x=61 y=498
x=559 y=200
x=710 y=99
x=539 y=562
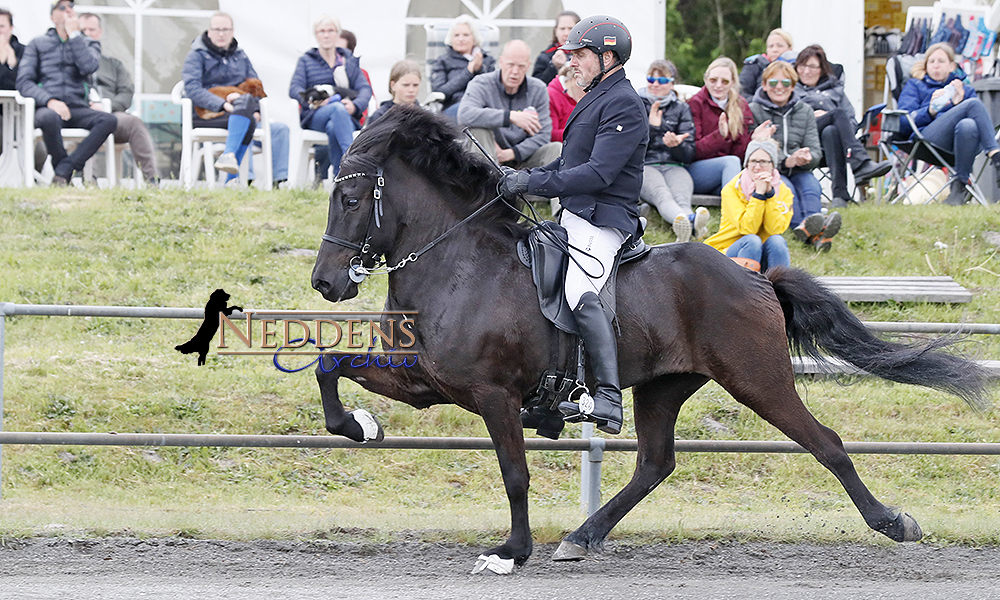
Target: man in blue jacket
x=216 y=60
x=54 y=71
x=597 y=180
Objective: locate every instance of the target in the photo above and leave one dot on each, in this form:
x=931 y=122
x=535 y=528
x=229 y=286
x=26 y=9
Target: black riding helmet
x=601 y=33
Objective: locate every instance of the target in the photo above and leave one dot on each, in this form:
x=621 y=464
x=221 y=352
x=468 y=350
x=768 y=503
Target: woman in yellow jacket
x=756 y=208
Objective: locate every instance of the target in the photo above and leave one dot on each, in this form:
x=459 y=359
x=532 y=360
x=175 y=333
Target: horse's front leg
x=358 y=425
x=500 y=412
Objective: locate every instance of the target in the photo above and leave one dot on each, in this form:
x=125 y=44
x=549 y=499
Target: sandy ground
x=112 y=568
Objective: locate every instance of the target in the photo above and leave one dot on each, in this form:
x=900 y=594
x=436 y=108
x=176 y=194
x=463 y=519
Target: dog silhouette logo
x=200 y=342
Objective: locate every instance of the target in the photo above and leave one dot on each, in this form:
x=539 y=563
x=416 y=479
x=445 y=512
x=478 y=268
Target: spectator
x=509 y=112
x=328 y=64
x=666 y=184
x=11 y=51
x=54 y=71
x=552 y=59
x=821 y=89
x=756 y=208
x=779 y=45
x=722 y=124
x=216 y=60
x=112 y=81
x=949 y=115
x=792 y=124
x=564 y=93
x=404 y=85
x=463 y=59
x=348 y=40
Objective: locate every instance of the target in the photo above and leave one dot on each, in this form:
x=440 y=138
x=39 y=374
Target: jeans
x=100 y=124
x=964 y=130
x=837 y=137
x=710 y=174
x=339 y=127
x=770 y=253
x=668 y=188
x=807 y=192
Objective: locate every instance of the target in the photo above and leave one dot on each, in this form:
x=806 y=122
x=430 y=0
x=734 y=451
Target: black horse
x=687 y=315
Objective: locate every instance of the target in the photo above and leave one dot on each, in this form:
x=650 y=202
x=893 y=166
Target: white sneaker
x=227 y=163
x=701 y=217
x=682 y=228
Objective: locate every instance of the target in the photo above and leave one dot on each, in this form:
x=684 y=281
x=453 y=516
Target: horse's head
x=357 y=234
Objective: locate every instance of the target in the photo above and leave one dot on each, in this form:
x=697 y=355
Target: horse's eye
x=350 y=202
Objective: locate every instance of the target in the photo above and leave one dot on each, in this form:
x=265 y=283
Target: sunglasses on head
x=66 y=6
x=660 y=80
x=784 y=82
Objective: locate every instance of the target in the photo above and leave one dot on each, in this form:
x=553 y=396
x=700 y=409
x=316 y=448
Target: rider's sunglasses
x=65 y=6
x=660 y=80
x=784 y=82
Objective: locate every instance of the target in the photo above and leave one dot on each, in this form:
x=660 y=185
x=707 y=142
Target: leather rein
x=358 y=271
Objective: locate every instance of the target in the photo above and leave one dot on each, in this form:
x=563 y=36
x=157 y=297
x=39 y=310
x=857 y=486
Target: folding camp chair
x=911 y=157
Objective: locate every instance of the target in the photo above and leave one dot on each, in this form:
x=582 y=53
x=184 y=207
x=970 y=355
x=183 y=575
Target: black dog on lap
x=201 y=340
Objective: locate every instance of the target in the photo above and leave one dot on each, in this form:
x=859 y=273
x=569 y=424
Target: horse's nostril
x=319 y=285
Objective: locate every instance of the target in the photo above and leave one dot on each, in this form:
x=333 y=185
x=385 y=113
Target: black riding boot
x=602 y=352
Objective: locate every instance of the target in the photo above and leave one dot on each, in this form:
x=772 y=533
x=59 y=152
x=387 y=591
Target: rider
x=597 y=180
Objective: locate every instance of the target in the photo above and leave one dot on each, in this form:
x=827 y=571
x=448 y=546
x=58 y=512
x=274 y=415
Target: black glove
x=512 y=183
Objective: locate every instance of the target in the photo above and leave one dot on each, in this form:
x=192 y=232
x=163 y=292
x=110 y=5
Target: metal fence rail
x=592 y=448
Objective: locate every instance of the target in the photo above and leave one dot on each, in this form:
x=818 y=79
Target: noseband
x=358 y=271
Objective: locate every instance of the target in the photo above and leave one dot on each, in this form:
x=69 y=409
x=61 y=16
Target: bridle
x=358 y=271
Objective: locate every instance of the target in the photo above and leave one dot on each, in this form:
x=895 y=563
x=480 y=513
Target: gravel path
x=113 y=568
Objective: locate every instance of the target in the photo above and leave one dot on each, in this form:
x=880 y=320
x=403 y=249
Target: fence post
x=590 y=470
x=3 y=321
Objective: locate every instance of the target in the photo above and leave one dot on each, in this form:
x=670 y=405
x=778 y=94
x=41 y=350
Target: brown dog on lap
x=254 y=87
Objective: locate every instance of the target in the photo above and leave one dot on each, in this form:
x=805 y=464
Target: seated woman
x=666 y=184
x=949 y=115
x=328 y=64
x=463 y=60
x=564 y=93
x=404 y=84
x=722 y=124
x=552 y=59
x=824 y=92
x=756 y=208
x=779 y=45
x=792 y=124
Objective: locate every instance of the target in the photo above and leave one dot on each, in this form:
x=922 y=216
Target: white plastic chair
x=302 y=162
x=17 y=160
x=69 y=134
x=203 y=144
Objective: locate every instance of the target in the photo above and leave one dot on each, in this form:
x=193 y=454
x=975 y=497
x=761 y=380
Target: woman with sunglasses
x=756 y=208
x=792 y=125
x=821 y=89
x=948 y=113
x=666 y=183
x=722 y=123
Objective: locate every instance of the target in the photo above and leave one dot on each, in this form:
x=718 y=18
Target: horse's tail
x=817 y=320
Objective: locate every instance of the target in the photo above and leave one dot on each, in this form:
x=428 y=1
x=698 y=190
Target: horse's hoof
x=370 y=426
x=911 y=529
x=569 y=551
x=493 y=565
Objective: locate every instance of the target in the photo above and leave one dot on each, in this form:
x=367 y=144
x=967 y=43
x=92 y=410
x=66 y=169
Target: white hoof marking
x=494 y=564
x=367 y=422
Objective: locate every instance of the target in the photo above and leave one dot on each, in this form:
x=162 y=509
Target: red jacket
x=709 y=143
x=560 y=105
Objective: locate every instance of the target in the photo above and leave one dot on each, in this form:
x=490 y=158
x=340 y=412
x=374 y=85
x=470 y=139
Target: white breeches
x=600 y=243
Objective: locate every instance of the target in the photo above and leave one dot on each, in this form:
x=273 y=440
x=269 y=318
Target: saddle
x=544 y=252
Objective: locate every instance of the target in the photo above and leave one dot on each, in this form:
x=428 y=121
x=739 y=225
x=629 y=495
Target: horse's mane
x=431 y=146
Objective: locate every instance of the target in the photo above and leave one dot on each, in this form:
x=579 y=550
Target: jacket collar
x=595 y=93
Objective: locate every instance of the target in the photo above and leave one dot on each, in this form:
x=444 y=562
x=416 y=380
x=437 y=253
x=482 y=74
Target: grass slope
x=159 y=248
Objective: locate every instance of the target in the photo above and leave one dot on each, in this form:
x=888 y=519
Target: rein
x=358 y=271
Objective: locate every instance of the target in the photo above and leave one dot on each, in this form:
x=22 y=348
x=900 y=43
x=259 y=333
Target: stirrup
x=583 y=410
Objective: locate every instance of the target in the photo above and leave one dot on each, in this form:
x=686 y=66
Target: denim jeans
x=339 y=127
x=807 y=194
x=710 y=174
x=963 y=130
x=770 y=253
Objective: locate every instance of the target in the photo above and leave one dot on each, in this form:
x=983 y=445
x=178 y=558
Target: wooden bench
x=705 y=200
x=900 y=289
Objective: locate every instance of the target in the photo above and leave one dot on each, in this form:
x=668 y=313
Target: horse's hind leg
x=774 y=398
x=656 y=405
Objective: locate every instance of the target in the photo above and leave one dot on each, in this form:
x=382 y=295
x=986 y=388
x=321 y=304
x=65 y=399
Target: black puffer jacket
x=450 y=74
x=676 y=117
x=52 y=68
x=828 y=95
